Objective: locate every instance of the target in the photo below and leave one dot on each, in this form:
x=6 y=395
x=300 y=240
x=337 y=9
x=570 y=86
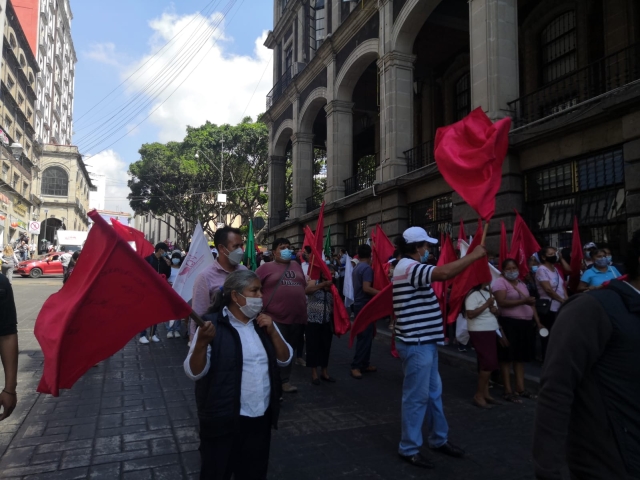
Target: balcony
x=360 y=181
x=280 y=86
x=420 y=156
x=597 y=78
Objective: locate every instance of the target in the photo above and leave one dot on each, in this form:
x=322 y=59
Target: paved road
x=134 y=417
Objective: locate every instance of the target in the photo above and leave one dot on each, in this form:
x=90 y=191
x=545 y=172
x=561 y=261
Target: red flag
x=523 y=245
x=317 y=241
x=469 y=154
x=503 y=244
x=144 y=248
x=576 y=257
x=112 y=295
x=341 y=322
x=381 y=252
x=461 y=233
x=378 y=307
x=475 y=274
x=447 y=255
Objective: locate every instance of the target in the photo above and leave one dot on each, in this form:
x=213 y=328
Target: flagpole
x=484 y=233
x=197 y=318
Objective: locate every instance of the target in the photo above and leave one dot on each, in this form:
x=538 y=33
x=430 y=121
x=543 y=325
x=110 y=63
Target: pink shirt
x=521 y=312
x=289 y=304
x=206 y=283
x=555 y=280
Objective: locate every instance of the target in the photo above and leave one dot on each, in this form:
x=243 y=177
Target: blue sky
x=113 y=39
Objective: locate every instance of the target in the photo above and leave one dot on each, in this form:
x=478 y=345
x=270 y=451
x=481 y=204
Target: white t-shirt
x=173 y=275
x=486 y=321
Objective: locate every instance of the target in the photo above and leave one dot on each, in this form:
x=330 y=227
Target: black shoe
x=417 y=460
x=451 y=450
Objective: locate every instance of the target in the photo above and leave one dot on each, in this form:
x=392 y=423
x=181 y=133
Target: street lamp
x=220 y=170
x=16 y=150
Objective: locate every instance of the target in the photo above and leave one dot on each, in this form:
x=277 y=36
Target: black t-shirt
x=8 y=316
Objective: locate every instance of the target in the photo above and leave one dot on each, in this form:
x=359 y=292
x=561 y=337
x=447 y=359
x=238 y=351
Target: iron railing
x=280 y=86
x=360 y=181
x=420 y=156
x=602 y=76
x=279 y=218
x=313 y=203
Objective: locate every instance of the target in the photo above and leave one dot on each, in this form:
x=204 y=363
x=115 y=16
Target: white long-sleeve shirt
x=255 y=388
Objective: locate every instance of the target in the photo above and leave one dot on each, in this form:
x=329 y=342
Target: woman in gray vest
x=237 y=393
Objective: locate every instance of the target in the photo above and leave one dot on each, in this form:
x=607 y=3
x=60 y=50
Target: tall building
x=369 y=82
x=19 y=150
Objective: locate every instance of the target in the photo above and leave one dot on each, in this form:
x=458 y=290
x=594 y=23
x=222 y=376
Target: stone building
x=18 y=149
x=64 y=190
x=367 y=84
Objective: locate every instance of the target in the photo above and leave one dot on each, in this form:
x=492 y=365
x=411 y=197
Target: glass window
x=319 y=23
x=463 y=96
x=55 y=181
x=559 y=54
x=356 y=235
x=435 y=215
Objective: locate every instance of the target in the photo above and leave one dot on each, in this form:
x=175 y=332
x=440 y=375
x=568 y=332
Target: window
x=18 y=136
x=7 y=121
x=10 y=81
x=25 y=188
x=434 y=214
x=20 y=99
x=22 y=61
x=288 y=58
x=463 y=96
x=318 y=24
x=55 y=181
x=12 y=41
x=559 y=54
x=16 y=180
x=5 y=171
x=356 y=235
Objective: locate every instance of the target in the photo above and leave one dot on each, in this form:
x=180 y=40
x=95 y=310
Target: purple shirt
x=555 y=280
x=289 y=303
x=521 y=312
x=206 y=283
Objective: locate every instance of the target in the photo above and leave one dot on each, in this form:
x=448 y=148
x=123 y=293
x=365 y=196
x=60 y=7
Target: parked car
x=44 y=265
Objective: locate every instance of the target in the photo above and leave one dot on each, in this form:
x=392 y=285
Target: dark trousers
x=301 y=340
x=244 y=453
x=363 y=345
x=319 y=337
x=291 y=334
x=547 y=320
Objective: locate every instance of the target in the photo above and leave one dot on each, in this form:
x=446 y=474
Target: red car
x=48 y=264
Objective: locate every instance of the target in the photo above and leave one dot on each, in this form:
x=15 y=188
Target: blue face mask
x=609 y=259
x=424 y=257
x=534 y=269
x=286 y=254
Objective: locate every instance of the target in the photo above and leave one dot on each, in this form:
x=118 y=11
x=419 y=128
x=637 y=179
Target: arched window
x=12 y=40
x=463 y=96
x=23 y=62
x=558 y=42
x=55 y=181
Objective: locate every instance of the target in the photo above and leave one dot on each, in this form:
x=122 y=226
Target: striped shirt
x=418 y=315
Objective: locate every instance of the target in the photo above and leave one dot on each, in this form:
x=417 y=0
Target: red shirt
x=289 y=303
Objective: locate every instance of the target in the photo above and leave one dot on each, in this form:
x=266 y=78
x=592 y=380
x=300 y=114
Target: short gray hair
x=235 y=282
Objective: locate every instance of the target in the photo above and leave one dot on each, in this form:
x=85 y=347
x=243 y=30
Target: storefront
x=18 y=220
x=4 y=219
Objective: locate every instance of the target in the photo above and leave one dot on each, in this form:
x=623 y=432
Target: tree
x=172 y=179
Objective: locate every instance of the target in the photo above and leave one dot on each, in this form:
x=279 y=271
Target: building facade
x=64 y=186
x=48 y=28
x=19 y=150
x=369 y=82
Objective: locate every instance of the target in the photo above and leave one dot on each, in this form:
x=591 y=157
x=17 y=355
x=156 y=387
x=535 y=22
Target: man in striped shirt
x=419 y=327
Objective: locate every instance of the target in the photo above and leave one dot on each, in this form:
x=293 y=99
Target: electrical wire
x=257 y=85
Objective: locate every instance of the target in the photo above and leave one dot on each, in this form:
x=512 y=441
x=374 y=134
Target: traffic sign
x=34 y=227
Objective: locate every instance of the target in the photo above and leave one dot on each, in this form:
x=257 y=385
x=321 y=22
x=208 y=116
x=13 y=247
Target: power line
x=257 y=85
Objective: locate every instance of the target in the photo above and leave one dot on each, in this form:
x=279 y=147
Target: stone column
x=396 y=107
x=494 y=55
x=302 y=156
x=276 y=187
x=339 y=147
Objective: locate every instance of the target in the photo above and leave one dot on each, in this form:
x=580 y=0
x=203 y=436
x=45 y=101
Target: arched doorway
x=279 y=181
x=312 y=150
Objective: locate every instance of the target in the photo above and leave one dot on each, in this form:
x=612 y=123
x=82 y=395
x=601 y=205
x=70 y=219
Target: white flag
x=197 y=260
x=347 y=289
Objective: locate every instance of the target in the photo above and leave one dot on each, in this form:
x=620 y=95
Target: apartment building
x=367 y=84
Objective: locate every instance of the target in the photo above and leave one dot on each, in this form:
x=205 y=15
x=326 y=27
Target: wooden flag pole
x=197 y=318
x=484 y=233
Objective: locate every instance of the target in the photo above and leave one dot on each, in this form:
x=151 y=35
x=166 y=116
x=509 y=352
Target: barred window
x=434 y=214
x=55 y=181
x=356 y=235
x=463 y=96
x=559 y=52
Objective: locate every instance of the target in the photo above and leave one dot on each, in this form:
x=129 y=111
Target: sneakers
x=155 y=339
x=300 y=361
x=176 y=334
x=169 y=334
x=144 y=340
x=288 y=388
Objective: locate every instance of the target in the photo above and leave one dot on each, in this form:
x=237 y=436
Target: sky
x=147 y=69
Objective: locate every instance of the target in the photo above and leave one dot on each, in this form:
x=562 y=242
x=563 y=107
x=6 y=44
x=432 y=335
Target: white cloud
x=114 y=168
x=103 y=53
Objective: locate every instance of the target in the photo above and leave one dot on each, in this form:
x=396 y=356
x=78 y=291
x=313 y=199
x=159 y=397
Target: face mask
x=236 y=256
x=587 y=254
x=609 y=259
x=534 y=269
x=286 y=254
x=511 y=275
x=252 y=308
x=552 y=259
x=424 y=257
x=602 y=262
x=175 y=261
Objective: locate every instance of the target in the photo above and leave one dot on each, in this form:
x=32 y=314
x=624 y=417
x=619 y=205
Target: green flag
x=250 y=251
x=327 y=244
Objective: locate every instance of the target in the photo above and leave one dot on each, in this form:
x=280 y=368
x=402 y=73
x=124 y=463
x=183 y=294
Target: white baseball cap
x=417 y=234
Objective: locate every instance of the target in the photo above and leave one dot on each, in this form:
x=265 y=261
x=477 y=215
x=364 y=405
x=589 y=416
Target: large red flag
x=144 y=248
x=341 y=321
x=461 y=233
x=447 y=255
x=382 y=250
x=475 y=274
x=469 y=154
x=112 y=295
x=317 y=242
x=576 y=257
x=503 y=244
x=523 y=245
x=378 y=307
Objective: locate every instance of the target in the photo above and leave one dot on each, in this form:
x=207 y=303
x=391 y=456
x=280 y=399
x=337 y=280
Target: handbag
x=543 y=306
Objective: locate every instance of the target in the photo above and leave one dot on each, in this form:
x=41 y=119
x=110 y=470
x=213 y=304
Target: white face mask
x=252 y=308
x=236 y=256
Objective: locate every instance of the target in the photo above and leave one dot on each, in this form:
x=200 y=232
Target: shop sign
x=20 y=209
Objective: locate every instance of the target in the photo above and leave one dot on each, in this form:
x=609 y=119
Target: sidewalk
x=134 y=417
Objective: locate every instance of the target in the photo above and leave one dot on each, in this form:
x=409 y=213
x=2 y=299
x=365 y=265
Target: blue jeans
x=421 y=394
x=175 y=327
x=363 y=345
